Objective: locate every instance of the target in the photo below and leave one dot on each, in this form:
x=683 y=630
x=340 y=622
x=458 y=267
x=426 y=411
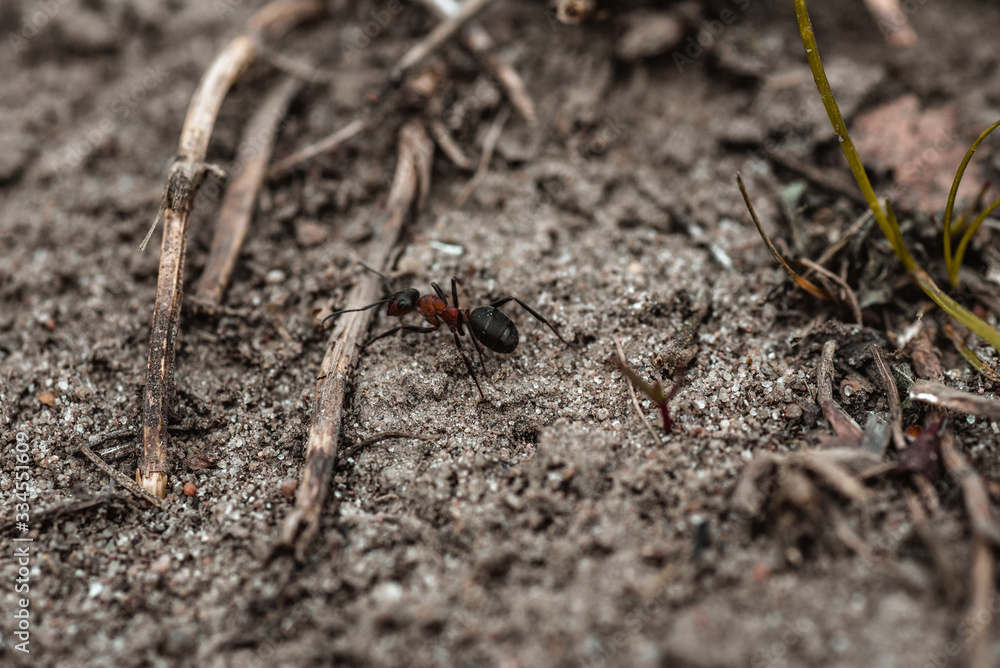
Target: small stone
x=190 y=489
x=288 y=488
x=161 y=565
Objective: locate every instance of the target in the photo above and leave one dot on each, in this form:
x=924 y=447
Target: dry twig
x=479 y=42
x=413 y=164
x=892 y=396
x=186 y=175
x=635 y=399
x=489 y=143
x=892 y=22
x=937 y=394
x=120 y=478
x=241 y=197
x=449 y=146
x=325 y=145
x=842 y=423
x=436 y=38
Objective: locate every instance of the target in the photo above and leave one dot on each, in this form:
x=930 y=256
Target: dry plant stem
x=489 y=143
x=983 y=575
x=852 y=299
x=938 y=394
x=49 y=514
x=436 y=38
x=326 y=145
x=977 y=500
x=892 y=396
x=449 y=146
x=121 y=479
x=830 y=183
x=802 y=282
x=987 y=537
x=186 y=174
x=635 y=399
x=950 y=581
x=479 y=42
x=893 y=22
x=842 y=423
x=241 y=197
x=300 y=527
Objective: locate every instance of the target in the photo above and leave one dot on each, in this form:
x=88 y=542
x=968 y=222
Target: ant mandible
x=488 y=326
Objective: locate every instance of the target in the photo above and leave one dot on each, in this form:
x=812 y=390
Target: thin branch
x=301 y=525
x=436 y=38
x=241 y=197
x=852 y=299
x=186 y=175
x=325 y=145
x=635 y=399
x=892 y=395
x=449 y=146
x=842 y=423
x=938 y=394
x=119 y=477
x=479 y=42
x=489 y=143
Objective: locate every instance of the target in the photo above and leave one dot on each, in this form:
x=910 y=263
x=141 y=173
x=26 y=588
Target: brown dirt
x=544 y=526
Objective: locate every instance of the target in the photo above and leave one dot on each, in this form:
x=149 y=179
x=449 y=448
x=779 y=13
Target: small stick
x=436 y=38
x=987 y=537
x=939 y=555
x=326 y=145
x=800 y=281
x=385 y=436
x=818 y=176
x=892 y=22
x=852 y=299
x=941 y=395
x=842 y=423
x=241 y=198
x=977 y=499
x=49 y=514
x=186 y=175
x=479 y=42
x=892 y=396
x=489 y=143
x=301 y=525
x=119 y=477
x=450 y=147
x=635 y=399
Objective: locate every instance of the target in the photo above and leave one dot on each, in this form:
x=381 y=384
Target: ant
x=488 y=326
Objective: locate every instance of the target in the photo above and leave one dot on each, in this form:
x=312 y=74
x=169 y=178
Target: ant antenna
x=388 y=288
x=350 y=310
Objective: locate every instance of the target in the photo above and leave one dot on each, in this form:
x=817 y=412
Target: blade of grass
x=949 y=261
x=840 y=129
x=967 y=237
x=887 y=218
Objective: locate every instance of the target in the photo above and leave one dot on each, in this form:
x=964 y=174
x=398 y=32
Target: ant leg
x=468 y=366
x=454 y=298
x=472 y=335
x=440 y=292
x=532 y=311
x=405 y=328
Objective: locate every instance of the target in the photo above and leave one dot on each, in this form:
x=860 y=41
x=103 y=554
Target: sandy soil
x=544 y=526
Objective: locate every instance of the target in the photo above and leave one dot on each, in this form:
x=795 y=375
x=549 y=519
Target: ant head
x=403 y=302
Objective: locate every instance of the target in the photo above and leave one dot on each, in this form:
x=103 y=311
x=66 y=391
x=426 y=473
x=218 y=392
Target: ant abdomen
x=494 y=329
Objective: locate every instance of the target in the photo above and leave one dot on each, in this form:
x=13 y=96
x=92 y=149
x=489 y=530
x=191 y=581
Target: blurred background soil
x=544 y=526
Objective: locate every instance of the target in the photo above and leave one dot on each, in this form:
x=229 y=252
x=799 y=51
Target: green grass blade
x=952 y=263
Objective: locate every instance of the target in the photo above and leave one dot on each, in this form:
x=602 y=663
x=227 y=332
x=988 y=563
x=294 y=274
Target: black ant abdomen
x=494 y=329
